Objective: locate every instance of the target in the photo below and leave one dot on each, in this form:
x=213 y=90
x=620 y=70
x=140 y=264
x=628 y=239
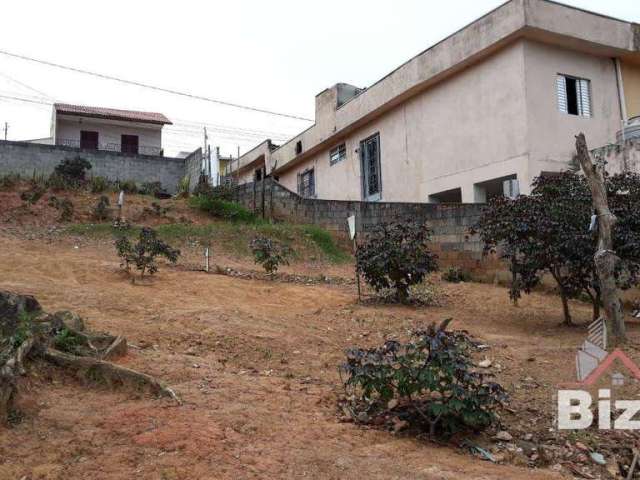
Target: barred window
x=307 y=184
x=574 y=95
x=337 y=154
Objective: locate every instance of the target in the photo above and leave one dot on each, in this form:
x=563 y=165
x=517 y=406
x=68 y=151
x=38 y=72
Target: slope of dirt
x=255 y=362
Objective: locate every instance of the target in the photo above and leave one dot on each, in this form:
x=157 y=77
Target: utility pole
x=6 y=129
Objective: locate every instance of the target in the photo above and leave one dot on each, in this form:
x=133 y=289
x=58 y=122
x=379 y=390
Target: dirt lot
x=256 y=365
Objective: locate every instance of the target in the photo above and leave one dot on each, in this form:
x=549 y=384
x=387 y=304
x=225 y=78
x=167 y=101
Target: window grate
x=337 y=154
x=307 y=184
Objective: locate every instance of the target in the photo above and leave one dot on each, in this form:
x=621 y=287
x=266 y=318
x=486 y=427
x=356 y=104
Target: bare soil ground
x=256 y=365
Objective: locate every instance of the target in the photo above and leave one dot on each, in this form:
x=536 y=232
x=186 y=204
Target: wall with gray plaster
x=29 y=158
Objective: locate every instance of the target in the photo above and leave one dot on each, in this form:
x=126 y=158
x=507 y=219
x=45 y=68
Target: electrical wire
x=154 y=87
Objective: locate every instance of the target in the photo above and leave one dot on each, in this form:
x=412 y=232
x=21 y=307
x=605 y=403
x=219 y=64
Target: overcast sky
x=274 y=55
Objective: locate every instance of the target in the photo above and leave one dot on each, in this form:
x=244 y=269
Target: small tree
x=269 y=253
x=396 y=256
x=429 y=380
x=548 y=232
x=143 y=253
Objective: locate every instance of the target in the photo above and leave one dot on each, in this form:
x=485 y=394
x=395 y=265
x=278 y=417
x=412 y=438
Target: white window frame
x=583 y=95
x=337 y=154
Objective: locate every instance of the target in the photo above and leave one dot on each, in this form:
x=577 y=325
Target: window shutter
x=561 y=93
x=299 y=184
x=585 y=98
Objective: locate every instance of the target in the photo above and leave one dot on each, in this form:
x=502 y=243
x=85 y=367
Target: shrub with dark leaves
x=101 y=211
x=429 y=381
x=72 y=172
x=150 y=188
x=33 y=194
x=548 y=232
x=64 y=206
x=269 y=253
x=396 y=256
x=142 y=255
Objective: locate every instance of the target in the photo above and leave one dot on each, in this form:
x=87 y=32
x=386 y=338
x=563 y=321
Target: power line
x=24 y=85
x=153 y=87
x=240 y=135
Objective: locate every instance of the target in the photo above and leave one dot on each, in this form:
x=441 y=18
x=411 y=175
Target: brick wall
x=450 y=222
x=26 y=158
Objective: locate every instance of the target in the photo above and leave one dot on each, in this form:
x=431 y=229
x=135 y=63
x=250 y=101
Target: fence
x=450 y=222
x=28 y=158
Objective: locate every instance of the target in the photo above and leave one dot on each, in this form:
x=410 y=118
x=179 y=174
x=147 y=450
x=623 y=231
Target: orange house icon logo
x=607 y=363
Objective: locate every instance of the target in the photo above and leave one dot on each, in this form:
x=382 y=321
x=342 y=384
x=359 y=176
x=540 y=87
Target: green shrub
x=222 y=208
x=455 y=275
x=71 y=172
x=150 y=188
x=143 y=254
x=269 y=253
x=430 y=381
x=33 y=194
x=396 y=255
x=98 y=184
x=127 y=186
x=101 y=211
x=64 y=206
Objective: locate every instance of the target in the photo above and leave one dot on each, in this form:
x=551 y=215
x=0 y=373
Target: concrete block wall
x=450 y=223
x=28 y=158
x=193 y=167
x=620 y=156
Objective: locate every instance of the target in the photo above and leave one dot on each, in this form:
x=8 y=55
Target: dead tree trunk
x=605 y=258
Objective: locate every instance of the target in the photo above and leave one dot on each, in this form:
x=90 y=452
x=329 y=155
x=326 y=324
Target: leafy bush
x=269 y=253
x=64 y=206
x=455 y=275
x=101 y=211
x=143 y=253
x=127 y=186
x=222 y=208
x=150 y=188
x=71 y=171
x=98 y=184
x=33 y=194
x=429 y=381
x=395 y=255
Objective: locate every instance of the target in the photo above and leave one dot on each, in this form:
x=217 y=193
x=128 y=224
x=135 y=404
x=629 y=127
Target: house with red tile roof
x=97 y=128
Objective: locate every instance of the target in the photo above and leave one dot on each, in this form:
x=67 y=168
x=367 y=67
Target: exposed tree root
x=99 y=371
x=27 y=332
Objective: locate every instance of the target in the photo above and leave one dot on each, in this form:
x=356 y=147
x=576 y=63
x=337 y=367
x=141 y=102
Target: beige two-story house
x=499 y=100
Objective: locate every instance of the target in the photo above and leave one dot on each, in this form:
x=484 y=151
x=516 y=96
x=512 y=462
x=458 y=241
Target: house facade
x=501 y=99
x=96 y=128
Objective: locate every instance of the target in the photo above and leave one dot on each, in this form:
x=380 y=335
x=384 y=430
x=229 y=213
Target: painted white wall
x=69 y=127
